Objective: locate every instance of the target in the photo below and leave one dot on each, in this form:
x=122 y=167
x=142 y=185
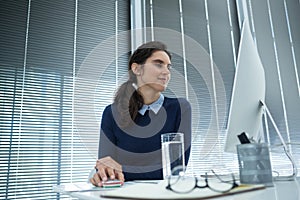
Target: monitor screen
x=245 y=112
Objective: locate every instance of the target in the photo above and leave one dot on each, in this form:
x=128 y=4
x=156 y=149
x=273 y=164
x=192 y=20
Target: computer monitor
x=246 y=111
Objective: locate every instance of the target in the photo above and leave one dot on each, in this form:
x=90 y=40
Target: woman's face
x=155 y=73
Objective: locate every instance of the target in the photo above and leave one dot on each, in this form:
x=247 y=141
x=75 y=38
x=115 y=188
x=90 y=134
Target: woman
x=131 y=127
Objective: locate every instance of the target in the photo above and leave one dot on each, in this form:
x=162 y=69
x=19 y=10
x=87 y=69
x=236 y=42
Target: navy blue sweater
x=138 y=147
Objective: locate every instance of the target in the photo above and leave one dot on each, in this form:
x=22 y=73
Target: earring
x=135 y=86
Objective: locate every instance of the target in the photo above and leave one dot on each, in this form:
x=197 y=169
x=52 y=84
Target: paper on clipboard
x=158 y=191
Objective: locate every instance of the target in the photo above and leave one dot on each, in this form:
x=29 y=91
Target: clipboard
x=158 y=191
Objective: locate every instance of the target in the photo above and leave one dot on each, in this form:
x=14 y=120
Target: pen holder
x=254 y=164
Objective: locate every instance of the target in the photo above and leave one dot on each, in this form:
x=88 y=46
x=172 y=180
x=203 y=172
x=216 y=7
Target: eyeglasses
x=184 y=184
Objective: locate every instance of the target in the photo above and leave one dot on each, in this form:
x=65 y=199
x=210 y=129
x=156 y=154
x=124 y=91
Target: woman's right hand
x=107 y=168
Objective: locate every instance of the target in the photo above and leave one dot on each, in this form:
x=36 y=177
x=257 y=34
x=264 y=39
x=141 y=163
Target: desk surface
x=282 y=190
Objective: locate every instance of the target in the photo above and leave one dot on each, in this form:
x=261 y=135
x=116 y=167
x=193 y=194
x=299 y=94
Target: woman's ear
x=136 y=69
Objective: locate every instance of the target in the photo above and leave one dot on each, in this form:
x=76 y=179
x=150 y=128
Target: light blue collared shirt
x=155 y=106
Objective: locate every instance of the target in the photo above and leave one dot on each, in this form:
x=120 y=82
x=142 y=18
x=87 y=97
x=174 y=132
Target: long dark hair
x=128 y=99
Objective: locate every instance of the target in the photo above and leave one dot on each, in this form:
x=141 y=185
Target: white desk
x=282 y=190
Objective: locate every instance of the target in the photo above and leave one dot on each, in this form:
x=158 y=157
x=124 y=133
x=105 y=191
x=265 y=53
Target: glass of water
x=172 y=146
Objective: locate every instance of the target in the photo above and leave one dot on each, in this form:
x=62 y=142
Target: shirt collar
x=155 y=106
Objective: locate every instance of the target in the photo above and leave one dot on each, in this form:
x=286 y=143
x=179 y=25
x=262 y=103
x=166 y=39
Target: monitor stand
x=267 y=113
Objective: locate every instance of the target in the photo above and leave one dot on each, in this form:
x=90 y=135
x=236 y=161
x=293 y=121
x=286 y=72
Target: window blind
x=43 y=45
x=274 y=27
x=214 y=26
